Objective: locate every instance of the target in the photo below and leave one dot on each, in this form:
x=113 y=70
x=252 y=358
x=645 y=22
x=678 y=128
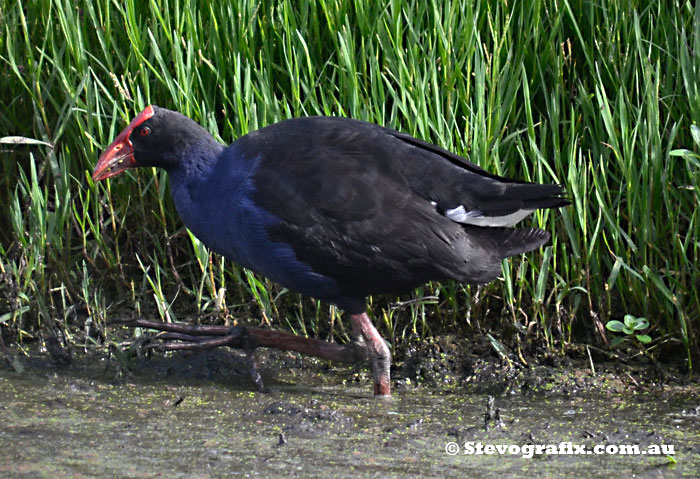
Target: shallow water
x=78 y=422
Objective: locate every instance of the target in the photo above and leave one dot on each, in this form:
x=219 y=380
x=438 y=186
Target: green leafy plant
x=630 y=327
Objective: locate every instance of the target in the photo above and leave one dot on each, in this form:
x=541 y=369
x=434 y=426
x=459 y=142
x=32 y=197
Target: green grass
x=601 y=96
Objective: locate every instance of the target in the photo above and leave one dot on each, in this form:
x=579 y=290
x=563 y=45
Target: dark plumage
x=336 y=208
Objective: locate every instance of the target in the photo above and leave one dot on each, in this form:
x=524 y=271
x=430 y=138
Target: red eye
x=145 y=131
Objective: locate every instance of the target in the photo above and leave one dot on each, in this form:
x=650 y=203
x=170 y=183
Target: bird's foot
x=375 y=350
x=249 y=345
x=368 y=345
x=190 y=337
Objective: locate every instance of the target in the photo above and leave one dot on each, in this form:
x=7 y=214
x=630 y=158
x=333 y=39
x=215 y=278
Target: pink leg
x=377 y=351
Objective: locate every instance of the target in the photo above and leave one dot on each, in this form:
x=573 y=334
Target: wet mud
x=198 y=415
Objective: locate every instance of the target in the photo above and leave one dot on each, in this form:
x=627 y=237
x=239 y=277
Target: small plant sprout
x=630 y=327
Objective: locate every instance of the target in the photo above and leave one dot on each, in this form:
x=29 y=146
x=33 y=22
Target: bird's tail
x=525 y=197
x=535 y=196
x=513 y=242
x=508 y=242
x=513 y=204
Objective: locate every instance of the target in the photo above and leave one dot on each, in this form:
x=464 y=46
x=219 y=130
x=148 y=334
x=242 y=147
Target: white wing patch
x=477 y=218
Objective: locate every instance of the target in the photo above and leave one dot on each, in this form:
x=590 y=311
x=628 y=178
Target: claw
x=367 y=345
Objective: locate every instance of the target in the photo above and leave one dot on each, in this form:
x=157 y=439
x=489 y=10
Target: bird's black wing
x=371 y=207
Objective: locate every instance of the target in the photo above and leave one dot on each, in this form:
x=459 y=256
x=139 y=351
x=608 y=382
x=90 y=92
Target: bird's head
x=156 y=137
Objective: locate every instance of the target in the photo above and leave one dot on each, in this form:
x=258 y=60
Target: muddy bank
x=474 y=366
x=199 y=415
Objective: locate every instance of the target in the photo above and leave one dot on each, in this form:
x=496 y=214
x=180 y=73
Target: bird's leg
x=249 y=346
x=377 y=352
x=368 y=344
x=199 y=337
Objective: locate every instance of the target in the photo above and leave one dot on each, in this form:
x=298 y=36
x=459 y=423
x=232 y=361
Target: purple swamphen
x=336 y=208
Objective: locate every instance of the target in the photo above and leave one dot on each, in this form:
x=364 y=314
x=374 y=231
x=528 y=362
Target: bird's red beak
x=120 y=154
